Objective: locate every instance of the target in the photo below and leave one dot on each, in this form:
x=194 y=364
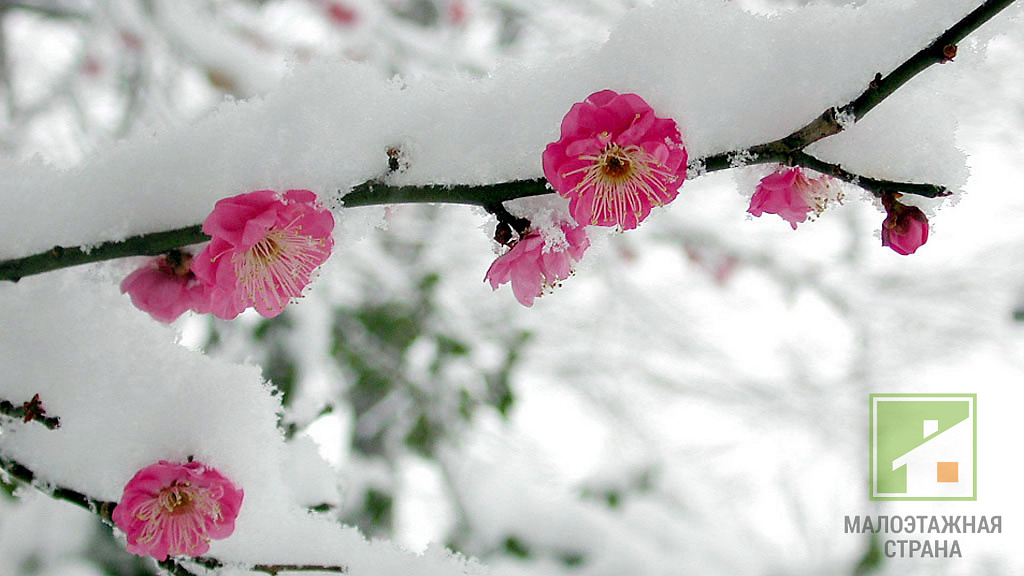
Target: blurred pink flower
x=341 y=14
x=615 y=160
x=165 y=287
x=532 y=265
x=905 y=228
x=264 y=250
x=789 y=193
x=176 y=509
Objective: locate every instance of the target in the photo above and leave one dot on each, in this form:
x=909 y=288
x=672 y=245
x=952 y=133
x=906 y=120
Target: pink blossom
x=264 y=250
x=789 y=193
x=341 y=13
x=176 y=509
x=456 y=12
x=533 y=264
x=615 y=160
x=165 y=287
x=905 y=228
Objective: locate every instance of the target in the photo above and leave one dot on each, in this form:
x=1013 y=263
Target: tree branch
x=873 y=185
x=787 y=150
x=29 y=411
x=18 y=471
x=176 y=566
x=375 y=193
x=105 y=510
x=150 y=244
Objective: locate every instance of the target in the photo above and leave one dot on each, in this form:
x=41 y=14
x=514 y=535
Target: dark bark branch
x=175 y=566
x=18 y=471
x=150 y=244
x=787 y=150
x=30 y=411
x=375 y=193
x=942 y=49
x=873 y=185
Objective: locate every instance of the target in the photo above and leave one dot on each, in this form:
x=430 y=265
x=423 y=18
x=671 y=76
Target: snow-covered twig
x=30 y=411
x=105 y=510
x=60 y=257
x=787 y=150
x=176 y=566
x=20 y=472
x=213 y=564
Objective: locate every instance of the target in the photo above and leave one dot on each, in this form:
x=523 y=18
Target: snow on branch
x=789 y=150
x=104 y=509
x=30 y=411
x=22 y=473
x=177 y=567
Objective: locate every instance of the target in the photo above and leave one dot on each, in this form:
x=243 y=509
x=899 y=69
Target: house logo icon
x=924 y=446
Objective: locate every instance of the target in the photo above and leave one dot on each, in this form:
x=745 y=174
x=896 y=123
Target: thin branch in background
x=787 y=150
x=50 y=10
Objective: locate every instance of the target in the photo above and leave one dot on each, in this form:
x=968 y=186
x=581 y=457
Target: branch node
x=948 y=53
x=29 y=411
x=506 y=223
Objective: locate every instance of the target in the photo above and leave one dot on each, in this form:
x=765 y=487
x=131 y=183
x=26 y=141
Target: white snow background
x=129 y=394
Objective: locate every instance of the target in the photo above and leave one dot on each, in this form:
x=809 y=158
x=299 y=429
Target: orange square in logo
x=947 y=472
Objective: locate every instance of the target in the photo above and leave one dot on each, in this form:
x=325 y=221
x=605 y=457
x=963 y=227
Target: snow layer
x=730 y=78
x=128 y=396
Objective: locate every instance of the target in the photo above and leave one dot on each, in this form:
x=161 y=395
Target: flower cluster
x=264 y=250
x=789 y=193
x=170 y=509
x=615 y=161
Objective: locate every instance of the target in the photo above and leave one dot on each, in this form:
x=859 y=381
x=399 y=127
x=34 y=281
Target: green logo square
x=924 y=446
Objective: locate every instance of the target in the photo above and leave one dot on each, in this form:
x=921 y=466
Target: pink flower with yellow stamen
x=172 y=509
x=615 y=160
x=264 y=251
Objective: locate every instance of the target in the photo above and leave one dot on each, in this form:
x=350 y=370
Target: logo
x=924 y=446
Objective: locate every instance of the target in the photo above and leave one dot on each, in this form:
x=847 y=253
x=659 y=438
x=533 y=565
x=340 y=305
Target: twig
x=873 y=185
x=105 y=510
x=277 y=568
x=30 y=411
x=787 y=150
x=51 y=11
x=174 y=567
x=214 y=564
x=835 y=120
x=375 y=193
x=101 y=508
x=57 y=257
